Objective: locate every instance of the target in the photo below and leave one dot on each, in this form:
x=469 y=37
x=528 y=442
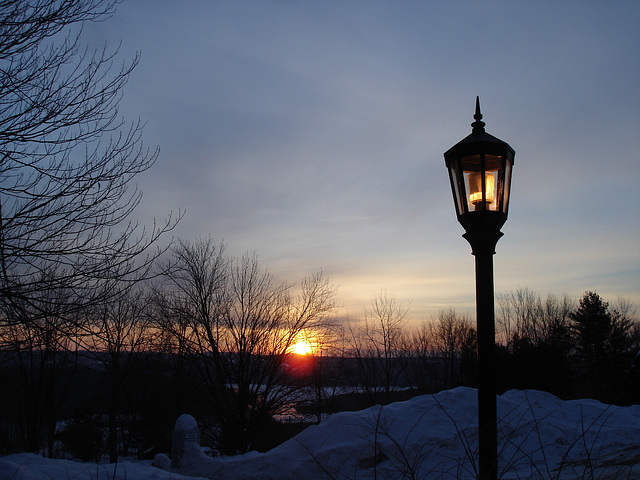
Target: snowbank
x=435 y=436
x=431 y=436
x=28 y=466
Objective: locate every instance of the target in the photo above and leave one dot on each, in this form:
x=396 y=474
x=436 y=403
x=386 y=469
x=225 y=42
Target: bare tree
x=521 y=315
x=238 y=327
x=524 y=317
x=67 y=161
x=425 y=365
x=328 y=365
x=454 y=339
x=535 y=340
x=43 y=353
x=67 y=169
x=377 y=345
x=121 y=332
x=624 y=350
x=444 y=352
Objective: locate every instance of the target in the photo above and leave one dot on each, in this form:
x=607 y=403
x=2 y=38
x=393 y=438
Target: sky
x=313 y=133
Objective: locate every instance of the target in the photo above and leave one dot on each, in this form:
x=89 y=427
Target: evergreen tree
x=604 y=347
x=592 y=325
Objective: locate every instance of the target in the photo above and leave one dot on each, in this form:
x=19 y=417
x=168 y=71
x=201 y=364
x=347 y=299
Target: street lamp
x=480 y=173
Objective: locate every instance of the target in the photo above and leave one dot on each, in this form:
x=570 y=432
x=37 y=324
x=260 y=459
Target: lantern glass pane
x=507 y=187
x=484 y=182
x=454 y=176
x=482 y=192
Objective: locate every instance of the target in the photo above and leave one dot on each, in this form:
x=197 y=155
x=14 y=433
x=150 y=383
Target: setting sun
x=302 y=347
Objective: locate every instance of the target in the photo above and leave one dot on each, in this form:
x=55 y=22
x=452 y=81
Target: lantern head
x=480 y=173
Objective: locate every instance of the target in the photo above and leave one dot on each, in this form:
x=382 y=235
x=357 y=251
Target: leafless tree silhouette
x=378 y=346
x=237 y=326
x=67 y=163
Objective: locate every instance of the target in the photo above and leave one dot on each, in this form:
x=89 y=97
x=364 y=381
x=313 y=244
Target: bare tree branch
x=67 y=160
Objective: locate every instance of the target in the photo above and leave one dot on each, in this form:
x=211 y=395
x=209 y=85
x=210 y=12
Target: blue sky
x=313 y=133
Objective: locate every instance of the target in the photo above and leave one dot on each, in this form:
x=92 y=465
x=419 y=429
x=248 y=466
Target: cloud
x=313 y=133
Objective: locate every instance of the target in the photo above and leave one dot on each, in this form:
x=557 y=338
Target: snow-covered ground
x=430 y=437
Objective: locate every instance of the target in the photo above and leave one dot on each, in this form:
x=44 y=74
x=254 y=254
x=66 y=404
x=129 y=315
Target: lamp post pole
x=485 y=318
x=480 y=174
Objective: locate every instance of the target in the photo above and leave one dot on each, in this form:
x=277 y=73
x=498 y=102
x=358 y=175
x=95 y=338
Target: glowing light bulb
x=475 y=188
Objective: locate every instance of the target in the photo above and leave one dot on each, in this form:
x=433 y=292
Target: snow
x=186 y=422
x=430 y=436
x=29 y=466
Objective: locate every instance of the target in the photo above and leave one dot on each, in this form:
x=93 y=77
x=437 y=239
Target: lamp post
x=480 y=173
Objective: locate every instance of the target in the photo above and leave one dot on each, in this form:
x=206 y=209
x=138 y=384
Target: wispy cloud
x=313 y=132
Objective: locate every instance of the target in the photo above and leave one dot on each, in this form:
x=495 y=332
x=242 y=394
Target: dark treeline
x=210 y=333
x=211 y=336
x=584 y=349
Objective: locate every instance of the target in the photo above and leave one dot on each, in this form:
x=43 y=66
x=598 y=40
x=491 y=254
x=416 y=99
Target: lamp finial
x=478 y=125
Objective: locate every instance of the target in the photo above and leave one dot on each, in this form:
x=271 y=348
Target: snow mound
x=28 y=466
x=435 y=436
x=430 y=436
x=186 y=422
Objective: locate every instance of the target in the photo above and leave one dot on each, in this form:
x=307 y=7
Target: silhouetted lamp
x=480 y=174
